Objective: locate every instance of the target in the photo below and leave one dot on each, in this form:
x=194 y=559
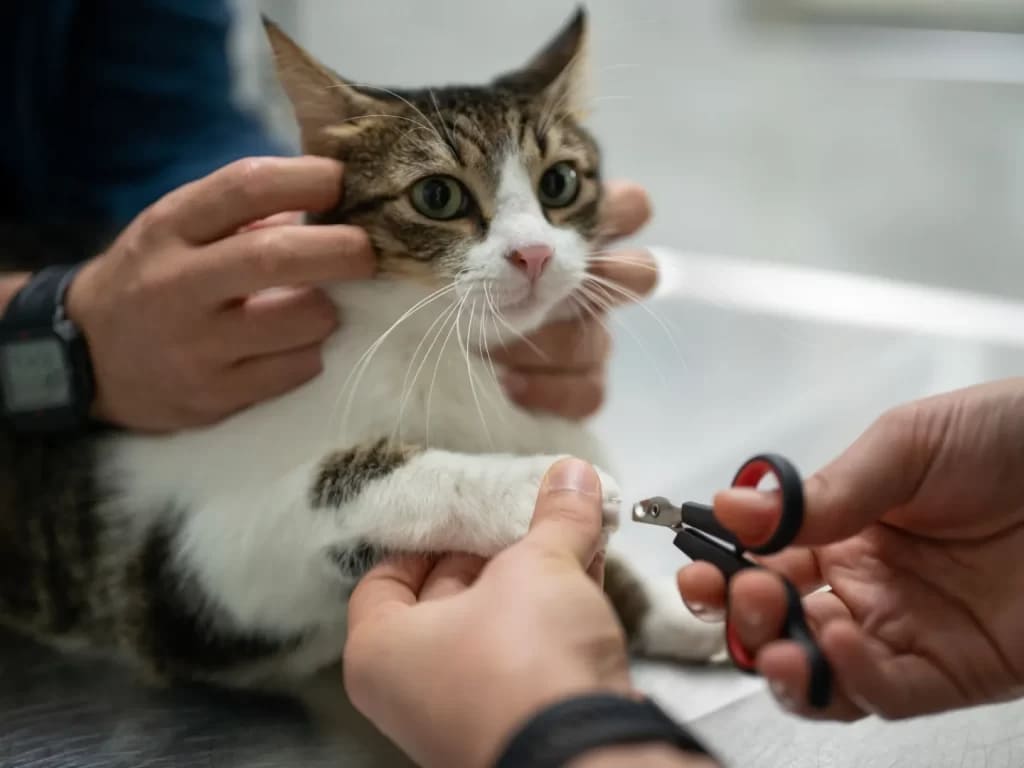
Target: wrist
x=595 y=729
x=647 y=755
x=45 y=369
x=9 y=285
x=80 y=303
x=79 y=299
x=509 y=715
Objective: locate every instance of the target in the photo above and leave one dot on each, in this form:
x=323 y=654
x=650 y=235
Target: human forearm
x=10 y=284
x=647 y=755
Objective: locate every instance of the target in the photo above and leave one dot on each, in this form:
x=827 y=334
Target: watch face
x=35 y=375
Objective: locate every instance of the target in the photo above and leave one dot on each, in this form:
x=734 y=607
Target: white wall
x=880 y=152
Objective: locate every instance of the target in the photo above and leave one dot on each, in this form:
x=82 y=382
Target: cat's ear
x=326 y=107
x=558 y=74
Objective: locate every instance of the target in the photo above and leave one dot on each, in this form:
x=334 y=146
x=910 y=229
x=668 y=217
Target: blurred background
x=878 y=143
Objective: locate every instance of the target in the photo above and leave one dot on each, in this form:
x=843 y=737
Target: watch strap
x=40 y=302
x=38 y=309
x=571 y=727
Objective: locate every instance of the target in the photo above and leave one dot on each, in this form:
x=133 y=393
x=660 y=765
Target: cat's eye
x=559 y=186
x=440 y=197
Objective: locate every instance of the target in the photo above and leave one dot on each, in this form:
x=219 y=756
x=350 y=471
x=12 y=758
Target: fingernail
x=572 y=475
x=782 y=694
x=515 y=383
x=705 y=613
x=863 y=704
x=750 y=513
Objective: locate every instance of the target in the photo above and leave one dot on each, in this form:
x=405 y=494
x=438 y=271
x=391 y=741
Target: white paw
x=671 y=631
x=526 y=490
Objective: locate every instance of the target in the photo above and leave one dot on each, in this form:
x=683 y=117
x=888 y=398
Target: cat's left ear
x=326 y=107
x=558 y=74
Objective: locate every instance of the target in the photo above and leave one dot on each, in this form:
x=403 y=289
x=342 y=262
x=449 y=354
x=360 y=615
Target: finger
x=392 y=584
x=757 y=608
x=280 y=256
x=257 y=379
x=288 y=217
x=452 y=574
x=248 y=190
x=570 y=395
x=596 y=569
x=569 y=345
x=879 y=472
x=625 y=208
x=702 y=587
x=567 y=518
x=785 y=667
x=276 y=321
x=799 y=566
x=881 y=682
x=620 y=278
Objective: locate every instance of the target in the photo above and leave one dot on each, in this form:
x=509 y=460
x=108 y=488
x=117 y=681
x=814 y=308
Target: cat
x=225 y=554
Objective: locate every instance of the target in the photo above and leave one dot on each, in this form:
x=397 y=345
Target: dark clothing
x=111 y=104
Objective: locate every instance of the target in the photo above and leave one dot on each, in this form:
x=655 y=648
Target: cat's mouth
x=517 y=302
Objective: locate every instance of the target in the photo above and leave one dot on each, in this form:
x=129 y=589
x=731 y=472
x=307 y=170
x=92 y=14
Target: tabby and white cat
x=226 y=553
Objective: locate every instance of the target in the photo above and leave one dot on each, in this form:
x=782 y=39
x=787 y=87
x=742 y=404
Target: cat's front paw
x=611 y=496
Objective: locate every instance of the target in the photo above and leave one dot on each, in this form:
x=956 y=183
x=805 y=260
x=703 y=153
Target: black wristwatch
x=572 y=727
x=46 y=377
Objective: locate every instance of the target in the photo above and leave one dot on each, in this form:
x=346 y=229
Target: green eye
x=440 y=197
x=559 y=186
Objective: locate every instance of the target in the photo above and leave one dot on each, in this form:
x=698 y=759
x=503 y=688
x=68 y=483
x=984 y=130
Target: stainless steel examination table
x=61 y=712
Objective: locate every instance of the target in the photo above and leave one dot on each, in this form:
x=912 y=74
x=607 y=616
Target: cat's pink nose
x=531 y=259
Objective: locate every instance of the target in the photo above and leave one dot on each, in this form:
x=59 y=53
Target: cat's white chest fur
x=241 y=493
x=424 y=385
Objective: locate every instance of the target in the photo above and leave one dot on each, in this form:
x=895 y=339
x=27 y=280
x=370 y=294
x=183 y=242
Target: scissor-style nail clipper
x=701 y=537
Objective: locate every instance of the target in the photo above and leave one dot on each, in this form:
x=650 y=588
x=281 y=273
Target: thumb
x=881 y=471
x=567 y=517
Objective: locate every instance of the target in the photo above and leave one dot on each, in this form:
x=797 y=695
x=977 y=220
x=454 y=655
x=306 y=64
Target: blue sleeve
x=117 y=103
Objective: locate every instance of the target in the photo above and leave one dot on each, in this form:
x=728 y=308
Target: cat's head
x=491 y=189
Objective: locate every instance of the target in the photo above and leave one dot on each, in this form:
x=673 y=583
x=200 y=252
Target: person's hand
x=561 y=367
x=919 y=530
x=207 y=304
x=447 y=659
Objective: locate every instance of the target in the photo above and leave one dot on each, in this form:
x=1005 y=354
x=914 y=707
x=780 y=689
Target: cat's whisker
x=622 y=260
x=448 y=132
x=493 y=396
x=419 y=125
x=437 y=367
x=520 y=336
x=602 y=317
x=613 y=287
x=407 y=387
x=469 y=370
x=490 y=313
x=405 y=101
x=363 y=363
